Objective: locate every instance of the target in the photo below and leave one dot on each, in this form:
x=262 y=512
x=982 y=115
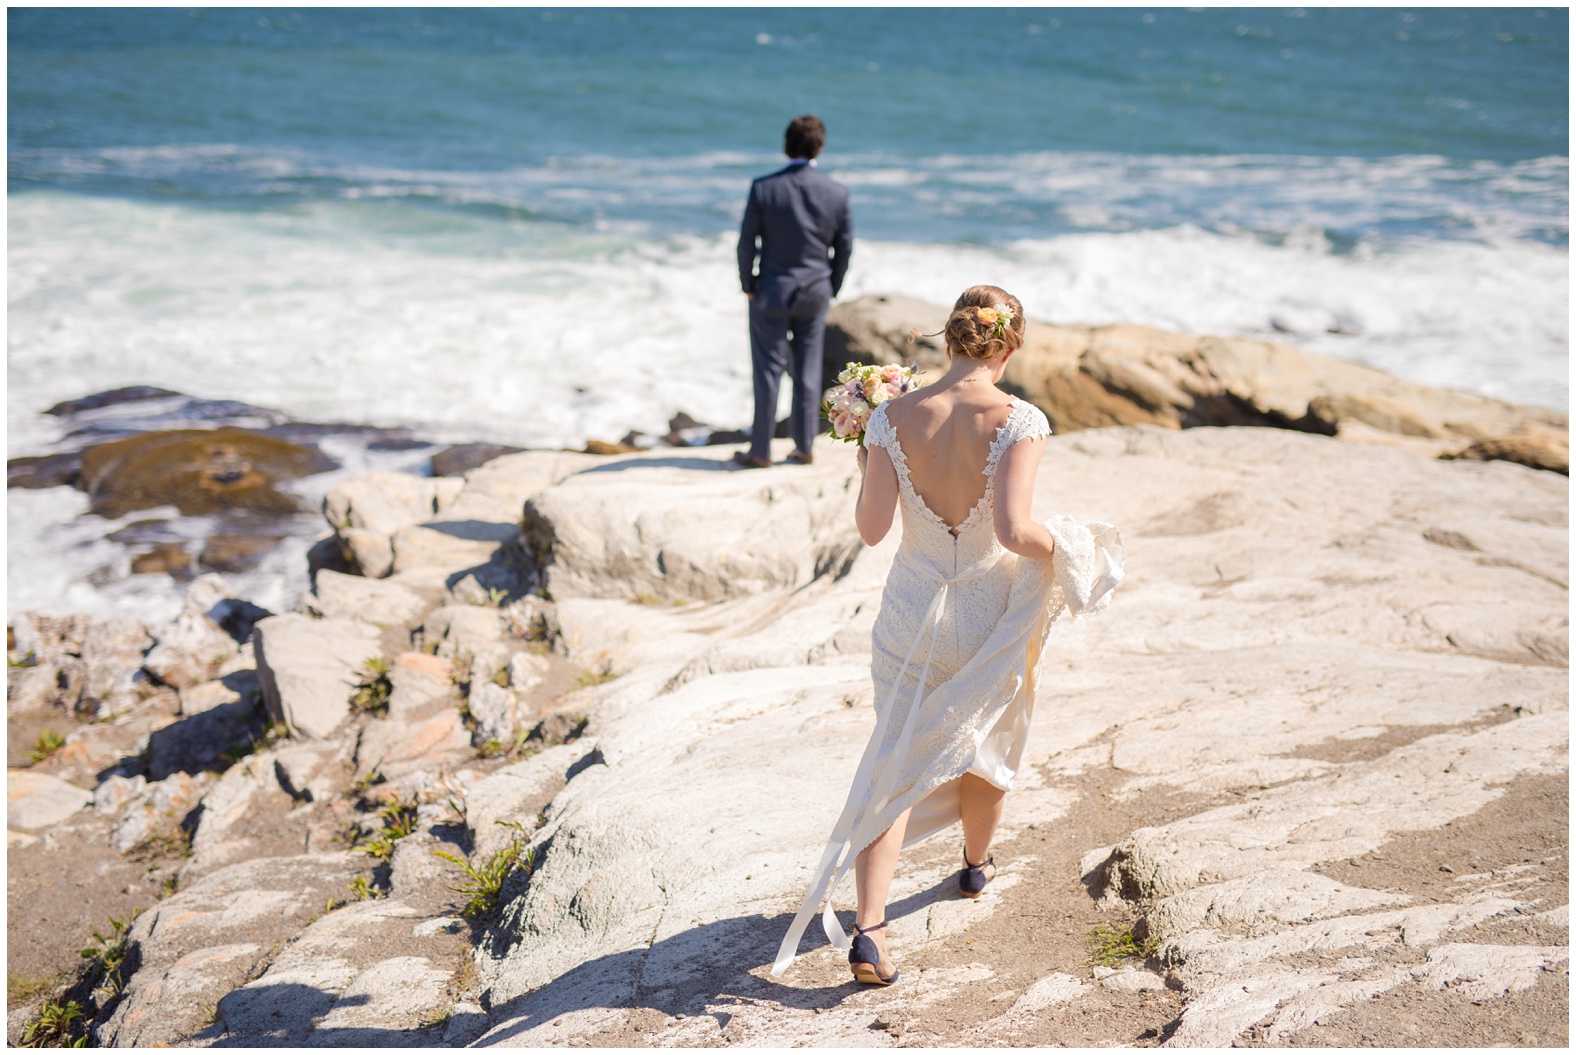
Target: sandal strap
x=989 y=862
x=866 y=930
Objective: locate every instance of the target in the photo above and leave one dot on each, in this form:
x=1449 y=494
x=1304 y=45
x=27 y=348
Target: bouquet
x=859 y=390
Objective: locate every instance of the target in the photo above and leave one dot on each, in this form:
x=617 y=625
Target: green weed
x=363 y=889
x=1110 y=946
x=106 y=955
x=399 y=820
x=486 y=883
x=595 y=677
x=171 y=841
x=373 y=688
x=48 y=743
x=52 y=1027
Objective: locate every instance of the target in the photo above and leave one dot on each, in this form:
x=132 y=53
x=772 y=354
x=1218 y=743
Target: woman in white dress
x=970 y=597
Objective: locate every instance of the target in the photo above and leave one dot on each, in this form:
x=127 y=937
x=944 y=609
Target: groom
x=801 y=220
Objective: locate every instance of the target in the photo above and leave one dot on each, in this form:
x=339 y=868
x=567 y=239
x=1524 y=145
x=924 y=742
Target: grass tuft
x=363 y=889
x=47 y=744
x=53 y=1026
x=1111 y=946
x=595 y=677
x=373 y=689
x=399 y=820
x=485 y=883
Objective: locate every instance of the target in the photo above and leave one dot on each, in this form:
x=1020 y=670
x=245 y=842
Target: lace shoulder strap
x=878 y=431
x=1025 y=422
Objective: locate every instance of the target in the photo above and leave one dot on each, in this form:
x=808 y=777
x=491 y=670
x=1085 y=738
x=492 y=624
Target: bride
x=970 y=598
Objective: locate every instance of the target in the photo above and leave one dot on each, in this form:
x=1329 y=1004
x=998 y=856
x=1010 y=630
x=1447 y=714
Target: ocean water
x=518 y=224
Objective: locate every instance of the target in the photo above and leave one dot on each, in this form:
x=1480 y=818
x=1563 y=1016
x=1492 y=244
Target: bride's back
x=945 y=432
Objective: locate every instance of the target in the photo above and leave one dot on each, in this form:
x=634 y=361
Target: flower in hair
x=999 y=317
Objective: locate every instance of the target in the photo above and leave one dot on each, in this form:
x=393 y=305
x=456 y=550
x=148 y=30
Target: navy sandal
x=865 y=958
x=972 y=881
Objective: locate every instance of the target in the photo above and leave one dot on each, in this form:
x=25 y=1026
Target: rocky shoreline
x=545 y=754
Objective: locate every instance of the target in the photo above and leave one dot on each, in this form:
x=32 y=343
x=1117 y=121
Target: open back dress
x=954 y=651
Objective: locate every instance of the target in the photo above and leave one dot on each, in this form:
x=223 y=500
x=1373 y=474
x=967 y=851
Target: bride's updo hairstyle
x=976 y=330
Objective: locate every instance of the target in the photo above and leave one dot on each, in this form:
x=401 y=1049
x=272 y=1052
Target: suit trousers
x=779 y=338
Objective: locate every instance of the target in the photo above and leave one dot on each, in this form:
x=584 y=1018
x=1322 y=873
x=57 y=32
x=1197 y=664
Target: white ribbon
x=843 y=847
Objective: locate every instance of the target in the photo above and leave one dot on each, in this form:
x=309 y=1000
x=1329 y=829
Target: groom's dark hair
x=805 y=137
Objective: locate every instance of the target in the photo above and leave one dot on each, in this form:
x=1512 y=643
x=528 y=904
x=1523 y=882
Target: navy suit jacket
x=806 y=233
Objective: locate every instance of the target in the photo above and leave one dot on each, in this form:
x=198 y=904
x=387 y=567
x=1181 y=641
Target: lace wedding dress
x=954 y=650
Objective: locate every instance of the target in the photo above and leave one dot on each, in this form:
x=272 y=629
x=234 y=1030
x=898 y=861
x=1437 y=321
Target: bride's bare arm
x=877 y=495
x=1014 y=519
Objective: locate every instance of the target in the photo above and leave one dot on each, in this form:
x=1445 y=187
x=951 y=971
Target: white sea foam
x=545 y=335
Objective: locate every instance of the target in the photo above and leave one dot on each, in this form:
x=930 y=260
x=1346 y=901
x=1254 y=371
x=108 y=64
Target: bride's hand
x=864 y=457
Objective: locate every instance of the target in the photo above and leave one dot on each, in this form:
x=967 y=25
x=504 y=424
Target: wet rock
x=146 y=532
x=38 y=800
x=380 y=602
x=236 y=552
x=165 y=558
x=310 y=668
x=462 y=458
x=48 y=470
x=199 y=471
x=603 y=447
x=113 y=397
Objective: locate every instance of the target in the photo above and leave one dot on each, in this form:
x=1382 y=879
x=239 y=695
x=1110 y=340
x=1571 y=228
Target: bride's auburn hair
x=967 y=333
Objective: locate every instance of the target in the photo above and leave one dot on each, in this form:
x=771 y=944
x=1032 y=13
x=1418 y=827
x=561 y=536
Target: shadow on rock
x=691 y=971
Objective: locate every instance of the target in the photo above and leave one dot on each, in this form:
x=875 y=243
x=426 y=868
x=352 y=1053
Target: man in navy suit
x=801 y=220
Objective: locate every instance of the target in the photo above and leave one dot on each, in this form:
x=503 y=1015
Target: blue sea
x=518 y=224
